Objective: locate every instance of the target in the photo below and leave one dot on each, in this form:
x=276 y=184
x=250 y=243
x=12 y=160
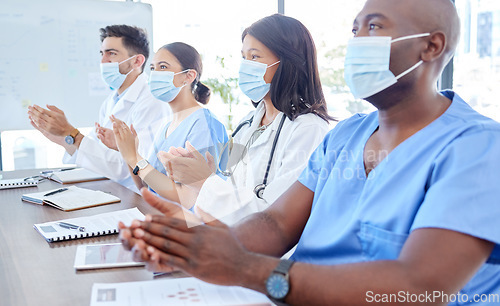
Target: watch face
x=142 y=164
x=69 y=140
x=277 y=286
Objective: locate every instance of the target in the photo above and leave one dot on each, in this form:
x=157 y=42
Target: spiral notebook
x=17 y=183
x=97 y=225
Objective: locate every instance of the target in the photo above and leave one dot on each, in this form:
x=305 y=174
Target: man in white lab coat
x=124 y=51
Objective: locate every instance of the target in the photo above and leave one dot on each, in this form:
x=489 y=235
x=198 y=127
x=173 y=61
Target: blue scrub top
x=444 y=176
x=201 y=129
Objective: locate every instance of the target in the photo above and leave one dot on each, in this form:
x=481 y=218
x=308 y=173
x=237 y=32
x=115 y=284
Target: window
x=330 y=24
x=214 y=28
x=476 y=76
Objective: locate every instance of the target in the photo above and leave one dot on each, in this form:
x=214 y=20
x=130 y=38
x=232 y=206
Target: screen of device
x=106 y=254
x=103 y=256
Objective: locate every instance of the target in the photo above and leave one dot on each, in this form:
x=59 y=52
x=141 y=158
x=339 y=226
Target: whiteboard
x=49 y=54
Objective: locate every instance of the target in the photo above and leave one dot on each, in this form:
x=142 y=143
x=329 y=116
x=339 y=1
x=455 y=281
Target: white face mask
x=161 y=85
x=110 y=73
x=367 y=64
x=251 y=79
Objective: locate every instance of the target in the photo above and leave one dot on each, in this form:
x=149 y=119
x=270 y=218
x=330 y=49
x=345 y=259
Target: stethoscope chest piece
x=259 y=190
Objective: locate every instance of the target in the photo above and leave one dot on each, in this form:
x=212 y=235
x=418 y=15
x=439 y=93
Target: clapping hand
x=126 y=141
x=106 y=136
x=188 y=167
x=179 y=239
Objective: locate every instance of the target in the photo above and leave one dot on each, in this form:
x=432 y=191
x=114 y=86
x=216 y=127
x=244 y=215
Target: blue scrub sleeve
x=311 y=174
x=208 y=134
x=325 y=156
x=463 y=193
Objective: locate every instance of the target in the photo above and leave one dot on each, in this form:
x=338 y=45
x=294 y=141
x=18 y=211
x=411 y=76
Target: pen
x=66 y=169
x=55 y=191
x=46 y=172
x=71 y=226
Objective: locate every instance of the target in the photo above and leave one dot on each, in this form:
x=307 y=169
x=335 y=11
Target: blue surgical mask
x=110 y=73
x=251 y=79
x=367 y=64
x=161 y=84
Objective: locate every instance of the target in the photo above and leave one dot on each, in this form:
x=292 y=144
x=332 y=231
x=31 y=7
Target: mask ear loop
x=410 y=37
x=273 y=64
x=410 y=69
x=124 y=62
x=183 y=71
x=417 y=64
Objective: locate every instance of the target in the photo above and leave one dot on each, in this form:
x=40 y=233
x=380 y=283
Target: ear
x=191 y=75
x=435 y=47
x=139 y=60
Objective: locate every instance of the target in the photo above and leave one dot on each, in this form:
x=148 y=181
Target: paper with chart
x=180 y=291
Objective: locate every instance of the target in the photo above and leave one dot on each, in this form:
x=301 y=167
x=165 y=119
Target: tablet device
x=97 y=256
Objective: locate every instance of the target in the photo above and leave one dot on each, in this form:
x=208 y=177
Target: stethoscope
x=259 y=189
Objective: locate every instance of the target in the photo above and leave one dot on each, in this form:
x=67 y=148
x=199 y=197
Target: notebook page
x=76 y=175
x=76 y=197
x=102 y=224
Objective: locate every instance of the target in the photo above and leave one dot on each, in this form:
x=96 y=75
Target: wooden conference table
x=35 y=272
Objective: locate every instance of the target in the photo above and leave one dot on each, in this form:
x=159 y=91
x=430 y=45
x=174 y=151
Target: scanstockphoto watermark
x=431 y=297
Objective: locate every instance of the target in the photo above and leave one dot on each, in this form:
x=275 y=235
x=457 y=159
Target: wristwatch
x=140 y=165
x=278 y=284
x=70 y=139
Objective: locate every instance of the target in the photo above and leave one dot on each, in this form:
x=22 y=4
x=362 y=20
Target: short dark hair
x=189 y=58
x=134 y=39
x=296 y=86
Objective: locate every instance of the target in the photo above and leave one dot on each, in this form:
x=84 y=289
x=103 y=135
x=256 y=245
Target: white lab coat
x=138 y=107
x=233 y=199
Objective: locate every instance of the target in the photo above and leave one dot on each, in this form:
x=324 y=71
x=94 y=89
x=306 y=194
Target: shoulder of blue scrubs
x=324 y=157
x=218 y=134
x=463 y=188
x=463 y=113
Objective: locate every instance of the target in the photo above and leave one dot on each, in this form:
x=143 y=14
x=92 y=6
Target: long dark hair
x=295 y=87
x=189 y=58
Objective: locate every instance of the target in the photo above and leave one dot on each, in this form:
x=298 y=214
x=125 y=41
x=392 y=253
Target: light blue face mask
x=251 y=80
x=367 y=64
x=161 y=85
x=110 y=73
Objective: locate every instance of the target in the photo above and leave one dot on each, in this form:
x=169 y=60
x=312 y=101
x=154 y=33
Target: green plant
x=224 y=87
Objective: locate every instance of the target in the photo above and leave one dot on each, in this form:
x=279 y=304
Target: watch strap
x=284 y=266
x=136 y=170
x=139 y=166
x=74 y=133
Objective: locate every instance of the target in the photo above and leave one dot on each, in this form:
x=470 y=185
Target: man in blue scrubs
x=401 y=205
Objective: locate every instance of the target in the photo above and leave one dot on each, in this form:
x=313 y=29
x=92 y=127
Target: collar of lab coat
x=133 y=92
x=270 y=130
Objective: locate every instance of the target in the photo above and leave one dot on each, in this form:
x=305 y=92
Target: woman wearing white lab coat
x=279 y=72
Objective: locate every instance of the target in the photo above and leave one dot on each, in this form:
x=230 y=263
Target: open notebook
x=71 y=176
x=70 y=198
x=97 y=225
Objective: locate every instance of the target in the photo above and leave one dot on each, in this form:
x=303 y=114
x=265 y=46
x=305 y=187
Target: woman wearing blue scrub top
x=174 y=79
